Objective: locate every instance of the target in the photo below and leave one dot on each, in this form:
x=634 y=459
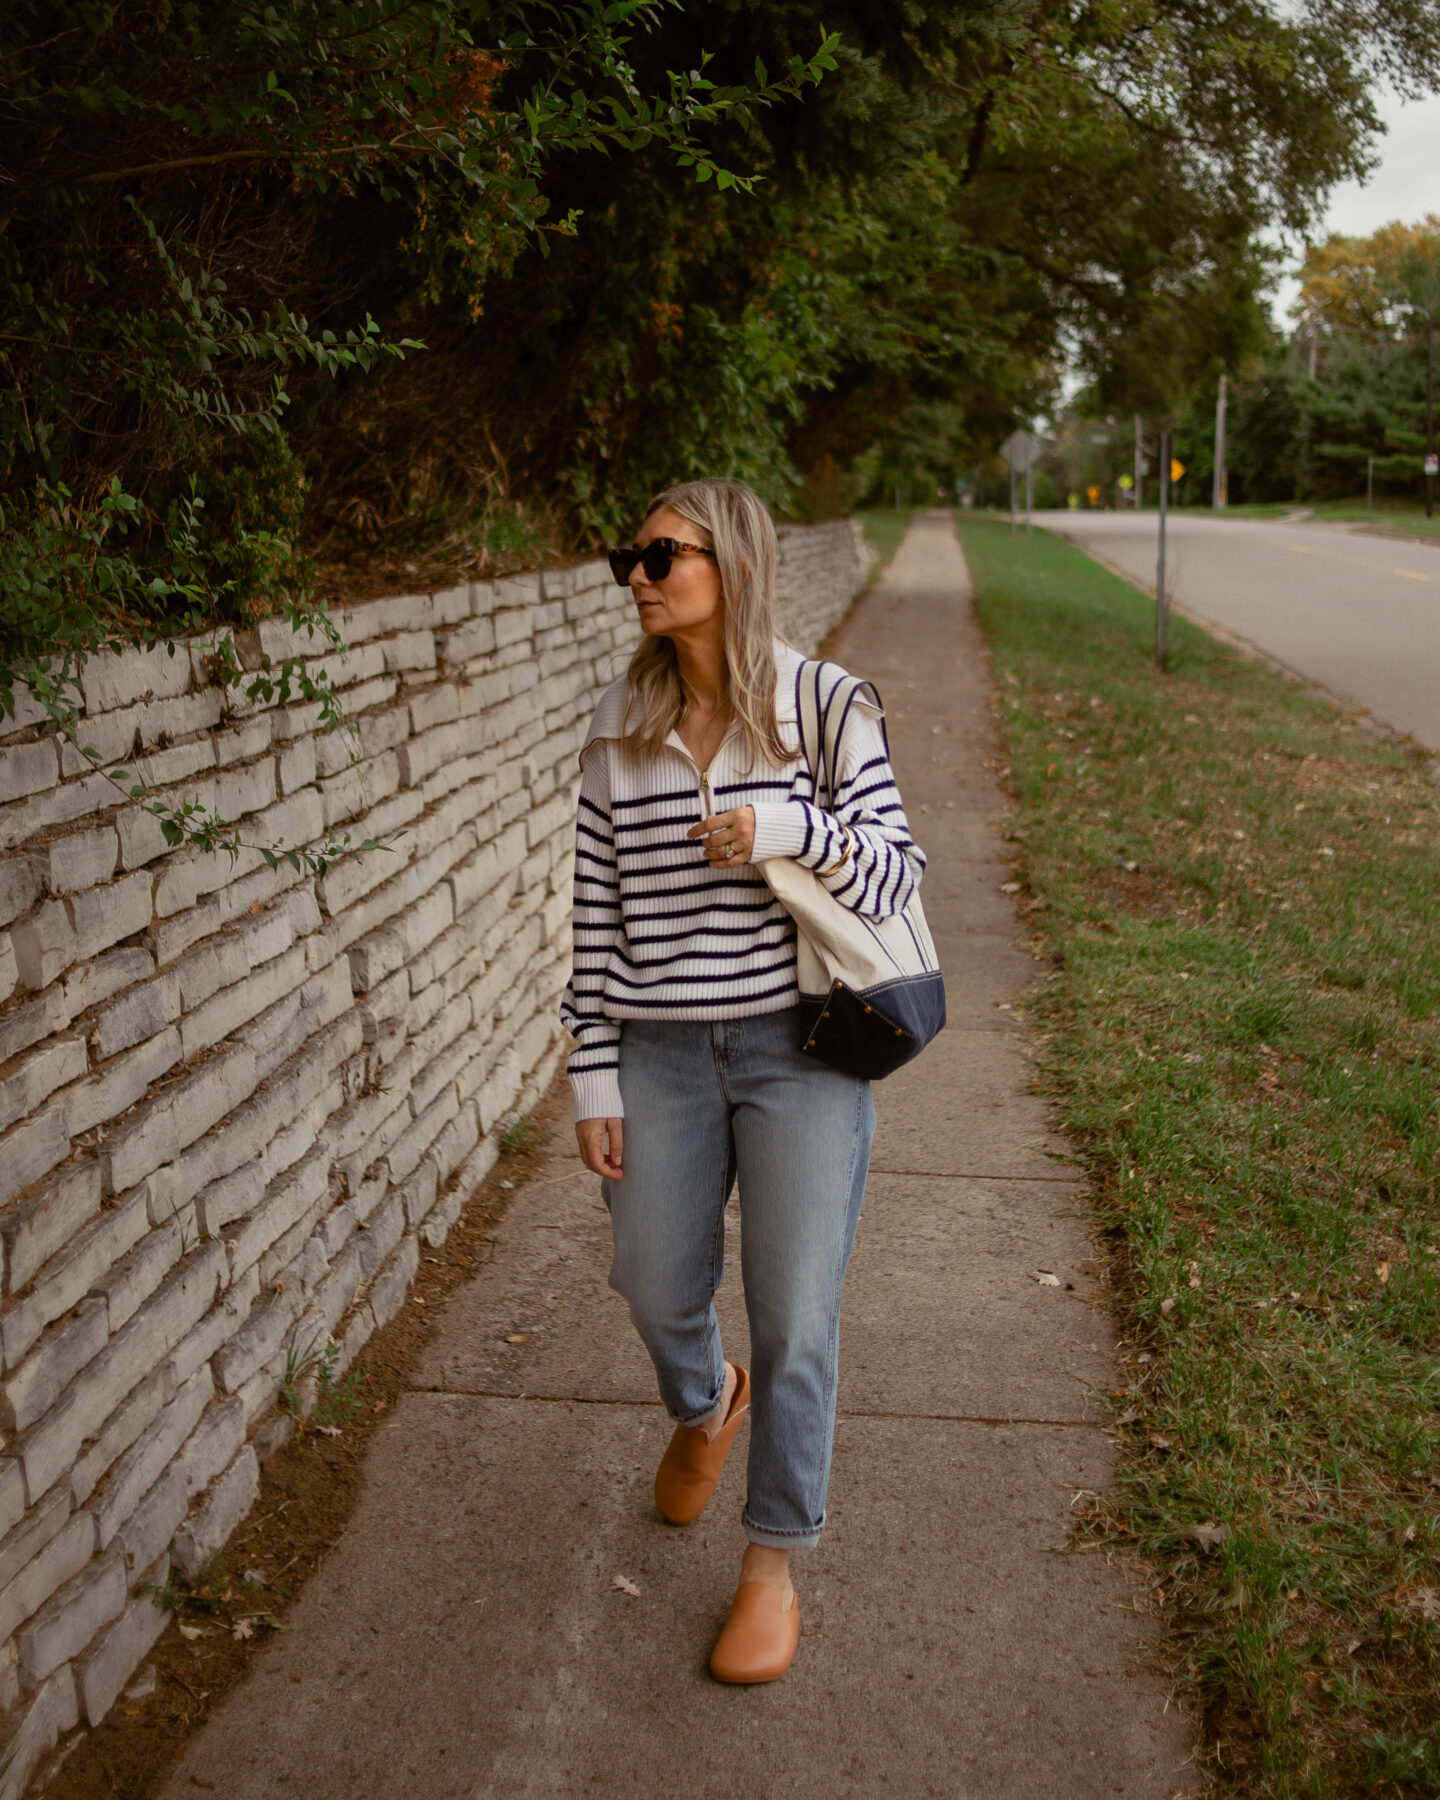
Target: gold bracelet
x=849 y=846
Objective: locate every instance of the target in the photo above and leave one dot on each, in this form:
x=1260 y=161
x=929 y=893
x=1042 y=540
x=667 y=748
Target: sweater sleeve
x=594 y=1066
x=885 y=864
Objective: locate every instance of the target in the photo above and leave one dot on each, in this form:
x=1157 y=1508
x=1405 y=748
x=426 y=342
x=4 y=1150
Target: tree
x=194 y=201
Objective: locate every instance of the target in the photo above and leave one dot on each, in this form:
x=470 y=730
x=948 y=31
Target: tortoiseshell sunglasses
x=657 y=558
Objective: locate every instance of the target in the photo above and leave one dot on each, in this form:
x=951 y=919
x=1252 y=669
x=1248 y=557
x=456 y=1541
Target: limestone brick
x=28 y=769
x=19 y=888
x=217 y=1327
x=146 y=1534
x=258 y=1339
x=48 y=1449
x=102 y=916
x=103 y=1671
x=44 y=944
x=390 y=1286
x=62 y=1628
x=141 y=1011
x=176 y=1117
x=29 y=1085
x=32 y=1149
x=118 y=1086
x=12 y=1493
x=112 y=679
x=120 y=1431
x=251 y=737
x=54 y=1710
x=74 y=1272
x=27 y=819
x=60 y=1559
x=81 y=859
x=19 y=1547
x=129 y=1283
x=149 y=1456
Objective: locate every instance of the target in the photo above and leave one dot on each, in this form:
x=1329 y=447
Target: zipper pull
x=705 y=792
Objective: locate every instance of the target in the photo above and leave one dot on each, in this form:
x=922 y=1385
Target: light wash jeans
x=703 y=1104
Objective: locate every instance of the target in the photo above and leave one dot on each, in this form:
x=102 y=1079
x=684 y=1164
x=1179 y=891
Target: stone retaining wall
x=234 y=1101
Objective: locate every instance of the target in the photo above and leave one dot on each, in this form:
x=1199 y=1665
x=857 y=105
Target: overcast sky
x=1405 y=186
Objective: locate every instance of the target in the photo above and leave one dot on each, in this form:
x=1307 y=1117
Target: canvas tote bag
x=871 y=992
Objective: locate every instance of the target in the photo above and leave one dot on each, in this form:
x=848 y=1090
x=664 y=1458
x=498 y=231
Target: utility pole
x=1139 y=464
x=1012 y=498
x=1220 y=484
x=1160 y=607
x=1029 y=483
x=1429 y=412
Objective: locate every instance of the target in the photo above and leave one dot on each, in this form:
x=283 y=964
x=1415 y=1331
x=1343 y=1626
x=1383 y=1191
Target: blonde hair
x=738 y=528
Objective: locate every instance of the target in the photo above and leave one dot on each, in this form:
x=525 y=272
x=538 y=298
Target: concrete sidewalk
x=466 y=1637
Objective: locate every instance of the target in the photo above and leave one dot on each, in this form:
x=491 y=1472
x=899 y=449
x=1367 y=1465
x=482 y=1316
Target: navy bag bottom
x=870 y=1035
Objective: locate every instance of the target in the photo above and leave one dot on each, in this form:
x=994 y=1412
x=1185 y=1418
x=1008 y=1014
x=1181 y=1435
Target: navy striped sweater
x=662 y=934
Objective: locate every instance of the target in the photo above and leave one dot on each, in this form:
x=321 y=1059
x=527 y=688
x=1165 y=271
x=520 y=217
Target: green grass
x=884 y=527
x=1389 y=515
x=1238 y=886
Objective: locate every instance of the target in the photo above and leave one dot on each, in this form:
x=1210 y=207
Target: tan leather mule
x=760 y=1636
x=691 y=1464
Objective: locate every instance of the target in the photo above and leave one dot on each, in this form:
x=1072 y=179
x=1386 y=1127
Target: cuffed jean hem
x=780 y=1540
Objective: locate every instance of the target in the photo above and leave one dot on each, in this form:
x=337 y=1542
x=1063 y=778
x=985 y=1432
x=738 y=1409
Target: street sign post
x=1166 y=469
x=1020 y=450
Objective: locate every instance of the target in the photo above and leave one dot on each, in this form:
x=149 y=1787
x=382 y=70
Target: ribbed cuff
x=597 y=1094
x=780 y=829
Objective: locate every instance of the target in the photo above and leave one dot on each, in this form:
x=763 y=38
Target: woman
x=687 y=1069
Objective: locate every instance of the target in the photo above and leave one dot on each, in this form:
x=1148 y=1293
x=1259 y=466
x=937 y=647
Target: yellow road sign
x=1177 y=468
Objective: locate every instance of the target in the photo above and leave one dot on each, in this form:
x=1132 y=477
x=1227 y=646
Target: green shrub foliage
x=453 y=278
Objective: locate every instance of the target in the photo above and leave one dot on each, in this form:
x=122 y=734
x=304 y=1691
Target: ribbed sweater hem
x=597 y=1094
x=597 y=1091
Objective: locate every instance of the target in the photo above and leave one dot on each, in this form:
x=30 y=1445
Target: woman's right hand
x=602 y=1144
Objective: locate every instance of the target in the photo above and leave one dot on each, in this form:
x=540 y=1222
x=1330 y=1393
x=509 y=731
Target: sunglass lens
x=622 y=562
x=659 y=559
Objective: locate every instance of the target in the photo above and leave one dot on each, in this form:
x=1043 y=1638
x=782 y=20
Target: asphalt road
x=1358 y=613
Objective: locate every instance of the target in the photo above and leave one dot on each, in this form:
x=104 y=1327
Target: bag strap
x=821 y=715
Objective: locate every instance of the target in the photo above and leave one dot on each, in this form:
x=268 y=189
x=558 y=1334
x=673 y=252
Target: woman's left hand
x=729 y=837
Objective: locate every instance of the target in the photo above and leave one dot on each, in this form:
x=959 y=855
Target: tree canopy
x=442 y=279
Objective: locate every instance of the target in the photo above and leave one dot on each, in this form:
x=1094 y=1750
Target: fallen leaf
x=1009 y=887
x=242 y=1629
x=1131 y=1416
x=1426 y=1602
x=622 y=1584
x=255 y=906
x=192 y=1631
x=1208 y=1535
x=329 y=1430
x=1382 y=1272
x=1158 y=1441
x=1167 y=1306
x=518 y=1337
x=254 y=1578
x=379 y=1406
x=1046 y=1279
